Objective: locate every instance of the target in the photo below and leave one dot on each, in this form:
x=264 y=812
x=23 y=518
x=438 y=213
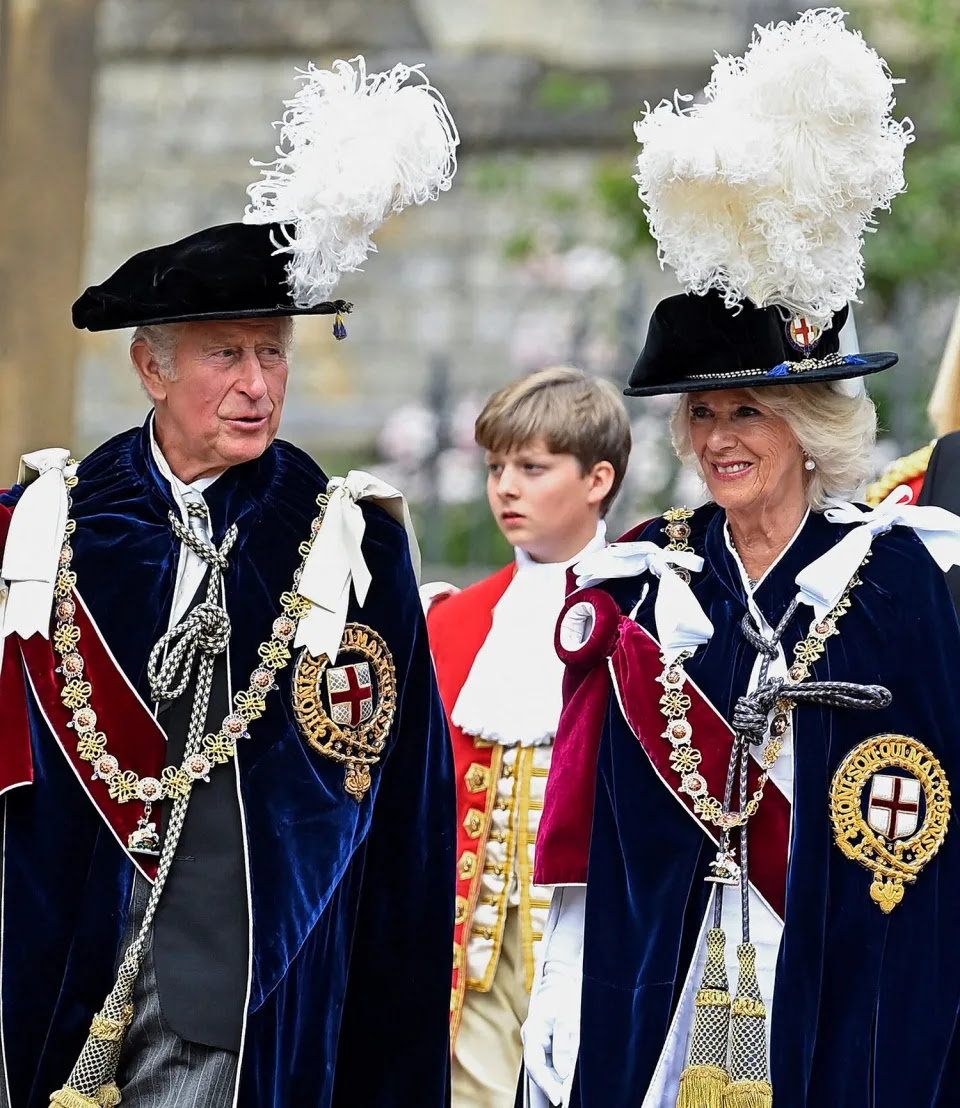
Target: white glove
x=551 y=1032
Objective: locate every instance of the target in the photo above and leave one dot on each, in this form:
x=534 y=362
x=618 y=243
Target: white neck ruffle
x=513 y=693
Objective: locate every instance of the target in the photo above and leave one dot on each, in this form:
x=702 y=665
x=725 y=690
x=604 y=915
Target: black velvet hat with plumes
x=233 y=271
x=697 y=344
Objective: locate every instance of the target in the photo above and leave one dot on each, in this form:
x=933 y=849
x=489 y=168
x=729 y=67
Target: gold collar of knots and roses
x=249 y=704
x=675 y=703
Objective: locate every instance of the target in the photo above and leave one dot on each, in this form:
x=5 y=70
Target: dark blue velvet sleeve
x=394 y=1040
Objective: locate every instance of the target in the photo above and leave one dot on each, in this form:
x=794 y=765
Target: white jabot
x=32 y=555
x=191 y=568
x=336 y=559
x=513 y=692
x=822 y=582
x=681 y=623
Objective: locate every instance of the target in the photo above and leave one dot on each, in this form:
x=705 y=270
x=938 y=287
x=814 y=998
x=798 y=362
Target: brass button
x=460 y=913
x=477 y=778
x=467 y=865
x=473 y=823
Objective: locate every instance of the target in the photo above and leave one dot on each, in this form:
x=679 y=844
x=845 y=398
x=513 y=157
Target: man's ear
x=601 y=477
x=155 y=381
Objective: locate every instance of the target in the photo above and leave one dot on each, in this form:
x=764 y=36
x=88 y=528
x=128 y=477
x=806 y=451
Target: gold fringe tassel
x=705 y=1077
x=108 y=1097
x=70 y=1098
x=748 y=1094
x=702 y=1087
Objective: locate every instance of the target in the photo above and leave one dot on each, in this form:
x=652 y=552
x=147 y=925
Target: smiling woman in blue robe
x=749 y=820
x=824 y=634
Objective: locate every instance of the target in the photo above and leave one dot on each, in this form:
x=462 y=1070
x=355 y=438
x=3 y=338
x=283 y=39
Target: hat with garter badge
x=354 y=148
x=759 y=198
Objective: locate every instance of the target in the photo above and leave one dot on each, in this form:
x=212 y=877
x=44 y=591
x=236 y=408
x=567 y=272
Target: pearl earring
x=810 y=465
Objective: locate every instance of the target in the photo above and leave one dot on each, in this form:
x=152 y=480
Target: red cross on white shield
x=803 y=334
x=893 y=808
x=351 y=694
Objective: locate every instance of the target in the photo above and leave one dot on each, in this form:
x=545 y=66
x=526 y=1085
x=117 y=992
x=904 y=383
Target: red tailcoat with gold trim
x=458 y=626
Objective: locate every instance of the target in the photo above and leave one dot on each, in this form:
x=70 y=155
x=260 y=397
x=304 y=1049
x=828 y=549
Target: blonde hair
x=573 y=414
x=834 y=429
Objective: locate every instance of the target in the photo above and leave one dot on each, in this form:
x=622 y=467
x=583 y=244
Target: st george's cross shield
x=351 y=694
x=802 y=334
x=893 y=807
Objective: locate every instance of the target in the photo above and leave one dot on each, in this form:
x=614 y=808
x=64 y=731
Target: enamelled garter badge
x=346 y=711
x=890 y=806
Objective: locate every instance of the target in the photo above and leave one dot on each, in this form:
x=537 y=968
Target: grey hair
x=162 y=339
x=834 y=429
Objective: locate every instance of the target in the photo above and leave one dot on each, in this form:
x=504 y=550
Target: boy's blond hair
x=573 y=414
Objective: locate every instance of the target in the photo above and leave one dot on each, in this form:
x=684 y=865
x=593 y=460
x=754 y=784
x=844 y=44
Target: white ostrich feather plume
x=765 y=190
x=354 y=147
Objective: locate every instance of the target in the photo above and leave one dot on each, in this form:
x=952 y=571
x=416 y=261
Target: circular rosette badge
x=345 y=710
x=890 y=808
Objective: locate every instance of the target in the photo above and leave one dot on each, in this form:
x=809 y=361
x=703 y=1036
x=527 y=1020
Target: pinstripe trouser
x=158 y=1069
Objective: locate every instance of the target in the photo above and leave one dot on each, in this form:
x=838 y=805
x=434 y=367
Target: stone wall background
x=519 y=265
x=185 y=96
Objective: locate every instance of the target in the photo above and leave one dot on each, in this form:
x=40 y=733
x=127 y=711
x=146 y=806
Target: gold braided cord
x=685 y=758
x=112 y=1030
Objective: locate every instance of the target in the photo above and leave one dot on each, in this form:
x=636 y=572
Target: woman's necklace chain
x=685 y=758
x=249 y=704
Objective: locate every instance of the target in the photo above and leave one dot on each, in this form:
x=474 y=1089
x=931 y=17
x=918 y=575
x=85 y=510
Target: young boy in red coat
x=556 y=444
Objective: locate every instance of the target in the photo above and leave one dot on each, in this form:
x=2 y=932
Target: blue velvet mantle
x=866 y=1004
x=352 y=904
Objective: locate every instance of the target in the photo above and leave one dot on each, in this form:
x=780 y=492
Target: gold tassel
x=109 y=1096
x=703 y=1081
x=702 y=1087
x=70 y=1098
x=748 y=1094
x=750 y=1087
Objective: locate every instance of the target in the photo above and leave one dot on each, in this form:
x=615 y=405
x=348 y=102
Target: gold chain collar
x=685 y=758
x=249 y=704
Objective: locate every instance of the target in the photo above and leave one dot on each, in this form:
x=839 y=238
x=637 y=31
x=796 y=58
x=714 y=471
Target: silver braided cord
x=752 y=709
x=93 y=1078
x=205 y=629
x=204 y=550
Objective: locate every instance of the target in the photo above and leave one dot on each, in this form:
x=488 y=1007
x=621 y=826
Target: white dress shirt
x=191 y=569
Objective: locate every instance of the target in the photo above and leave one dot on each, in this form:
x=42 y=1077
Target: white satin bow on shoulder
x=336 y=559
x=31 y=557
x=822 y=583
x=681 y=623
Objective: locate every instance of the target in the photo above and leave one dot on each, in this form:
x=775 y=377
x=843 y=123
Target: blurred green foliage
x=616 y=192
x=567 y=92
x=919 y=240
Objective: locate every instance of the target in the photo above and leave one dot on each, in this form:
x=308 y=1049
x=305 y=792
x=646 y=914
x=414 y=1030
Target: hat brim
x=854 y=365
x=327 y=307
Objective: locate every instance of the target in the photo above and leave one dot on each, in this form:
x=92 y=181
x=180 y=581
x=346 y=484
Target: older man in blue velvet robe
x=215 y=682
